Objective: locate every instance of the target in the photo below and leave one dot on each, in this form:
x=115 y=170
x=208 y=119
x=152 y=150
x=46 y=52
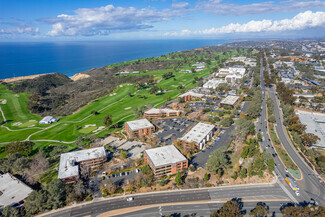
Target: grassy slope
x=17 y=111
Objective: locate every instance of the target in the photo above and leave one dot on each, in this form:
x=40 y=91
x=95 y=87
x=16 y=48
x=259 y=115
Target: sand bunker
x=127 y=108
x=89 y=125
x=16 y=124
x=98 y=129
x=3 y=101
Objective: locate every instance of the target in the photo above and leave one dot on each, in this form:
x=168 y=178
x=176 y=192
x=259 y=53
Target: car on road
x=129 y=199
x=297 y=193
x=285 y=169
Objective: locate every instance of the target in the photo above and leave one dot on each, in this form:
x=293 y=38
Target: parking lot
x=172 y=129
x=209 y=103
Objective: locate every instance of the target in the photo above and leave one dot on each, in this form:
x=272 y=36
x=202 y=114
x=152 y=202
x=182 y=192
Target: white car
x=297 y=193
x=129 y=199
x=285 y=169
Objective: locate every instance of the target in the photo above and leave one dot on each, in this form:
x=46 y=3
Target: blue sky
x=59 y=20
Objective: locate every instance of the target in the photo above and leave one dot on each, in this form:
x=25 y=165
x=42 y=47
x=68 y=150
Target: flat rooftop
x=165 y=155
x=229 y=100
x=12 y=190
x=315 y=124
x=139 y=124
x=198 y=133
x=191 y=94
x=68 y=168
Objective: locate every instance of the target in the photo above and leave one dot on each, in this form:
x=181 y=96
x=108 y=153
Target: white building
x=199 y=134
x=223 y=72
x=12 y=191
x=213 y=83
x=233 y=78
x=229 y=100
x=315 y=124
x=69 y=162
x=48 y=120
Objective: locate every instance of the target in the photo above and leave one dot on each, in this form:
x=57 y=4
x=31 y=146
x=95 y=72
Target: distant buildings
x=70 y=162
x=165 y=160
x=233 y=78
x=48 y=120
x=223 y=72
x=158 y=113
x=230 y=100
x=199 y=135
x=12 y=191
x=199 y=66
x=188 y=96
x=213 y=83
x=138 y=128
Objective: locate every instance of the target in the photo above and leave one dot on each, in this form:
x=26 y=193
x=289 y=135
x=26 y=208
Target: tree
x=38 y=165
x=178 y=179
x=244 y=127
x=124 y=154
x=24 y=148
x=146 y=170
x=260 y=210
x=229 y=209
x=108 y=120
x=9 y=211
x=227 y=122
x=308 y=139
x=243 y=173
x=206 y=177
x=218 y=160
x=56 y=194
x=259 y=137
x=35 y=202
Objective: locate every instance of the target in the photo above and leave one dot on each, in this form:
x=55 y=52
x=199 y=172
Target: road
x=202 y=209
x=256 y=193
x=261 y=126
x=309 y=185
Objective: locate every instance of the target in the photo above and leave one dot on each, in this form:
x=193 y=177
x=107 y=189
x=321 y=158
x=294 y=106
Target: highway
x=256 y=193
x=204 y=209
x=310 y=186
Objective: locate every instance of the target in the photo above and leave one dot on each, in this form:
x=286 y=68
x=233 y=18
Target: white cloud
x=180 y=5
x=107 y=19
x=301 y=21
x=217 y=7
x=14 y=28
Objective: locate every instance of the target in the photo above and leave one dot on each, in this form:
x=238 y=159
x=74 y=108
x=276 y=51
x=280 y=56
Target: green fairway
x=87 y=130
x=119 y=104
x=15 y=108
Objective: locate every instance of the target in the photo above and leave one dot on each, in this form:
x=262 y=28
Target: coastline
x=27 y=77
x=67 y=59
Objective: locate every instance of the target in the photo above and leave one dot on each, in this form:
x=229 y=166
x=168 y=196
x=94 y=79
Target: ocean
x=30 y=58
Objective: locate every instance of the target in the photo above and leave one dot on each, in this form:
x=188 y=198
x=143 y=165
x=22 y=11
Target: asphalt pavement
x=310 y=186
x=267 y=192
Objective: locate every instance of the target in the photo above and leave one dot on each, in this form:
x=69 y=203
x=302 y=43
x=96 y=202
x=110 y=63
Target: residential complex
x=70 y=162
x=199 y=135
x=139 y=128
x=163 y=112
x=12 y=191
x=165 y=160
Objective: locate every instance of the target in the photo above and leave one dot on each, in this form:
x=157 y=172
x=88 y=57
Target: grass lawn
x=28 y=123
x=16 y=109
x=87 y=130
x=118 y=103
